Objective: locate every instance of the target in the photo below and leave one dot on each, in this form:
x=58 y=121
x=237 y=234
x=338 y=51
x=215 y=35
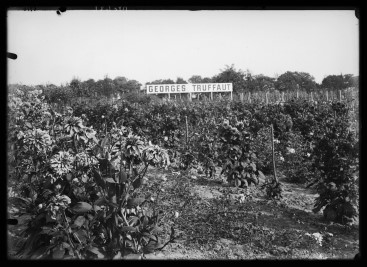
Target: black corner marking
x=11 y=55
x=61 y=9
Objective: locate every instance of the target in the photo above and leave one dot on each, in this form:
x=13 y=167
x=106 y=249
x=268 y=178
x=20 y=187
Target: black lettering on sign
x=156 y=88
x=194 y=85
x=161 y=88
x=183 y=88
x=167 y=88
x=199 y=87
x=209 y=87
x=178 y=88
x=150 y=88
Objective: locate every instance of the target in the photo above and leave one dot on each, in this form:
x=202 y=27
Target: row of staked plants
x=314 y=142
x=78 y=173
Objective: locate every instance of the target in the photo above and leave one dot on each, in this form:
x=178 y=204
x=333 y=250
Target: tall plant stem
x=273 y=154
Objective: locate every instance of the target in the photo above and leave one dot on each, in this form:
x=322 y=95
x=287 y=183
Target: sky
x=147 y=45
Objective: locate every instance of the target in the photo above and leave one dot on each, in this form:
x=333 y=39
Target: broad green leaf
x=156 y=230
x=81 y=207
x=79 y=221
x=261 y=175
x=110 y=180
x=82 y=235
x=97 y=252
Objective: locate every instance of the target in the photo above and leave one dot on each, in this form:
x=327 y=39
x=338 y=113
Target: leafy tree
x=132 y=86
x=180 y=80
x=89 y=87
x=124 y=85
x=291 y=81
x=339 y=82
x=231 y=75
x=195 y=79
x=199 y=79
x=76 y=87
x=354 y=81
x=263 y=83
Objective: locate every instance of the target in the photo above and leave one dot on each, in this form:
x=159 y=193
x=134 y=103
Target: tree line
x=243 y=81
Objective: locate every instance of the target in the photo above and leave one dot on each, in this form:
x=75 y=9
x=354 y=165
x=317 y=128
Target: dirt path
x=277 y=229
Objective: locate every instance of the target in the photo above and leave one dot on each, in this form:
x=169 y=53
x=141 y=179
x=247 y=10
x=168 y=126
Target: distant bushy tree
x=339 y=82
x=180 y=80
x=263 y=83
x=199 y=79
x=231 y=75
x=292 y=81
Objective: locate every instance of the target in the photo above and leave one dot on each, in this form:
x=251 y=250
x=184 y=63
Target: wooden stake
x=211 y=95
x=187 y=133
x=327 y=95
x=266 y=98
x=297 y=94
x=273 y=154
x=340 y=95
x=231 y=96
x=283 y=97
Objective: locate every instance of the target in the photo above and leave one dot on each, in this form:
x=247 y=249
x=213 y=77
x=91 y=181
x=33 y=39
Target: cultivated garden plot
x=165 y=180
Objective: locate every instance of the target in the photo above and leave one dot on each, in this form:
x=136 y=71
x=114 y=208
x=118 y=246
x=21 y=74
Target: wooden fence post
x=297 y=94
x=327 y=95
x=266 y=98
x=340 y=95
x=187 y=133
x=231 y=96
x=211 y=95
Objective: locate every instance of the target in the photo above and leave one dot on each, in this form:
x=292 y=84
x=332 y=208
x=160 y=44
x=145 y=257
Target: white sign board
x=188 y=88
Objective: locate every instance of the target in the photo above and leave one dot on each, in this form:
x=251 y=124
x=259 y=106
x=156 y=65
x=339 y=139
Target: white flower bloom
x=308 y=155
x=281 y=159
x=276 y=141
x=291 y=150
